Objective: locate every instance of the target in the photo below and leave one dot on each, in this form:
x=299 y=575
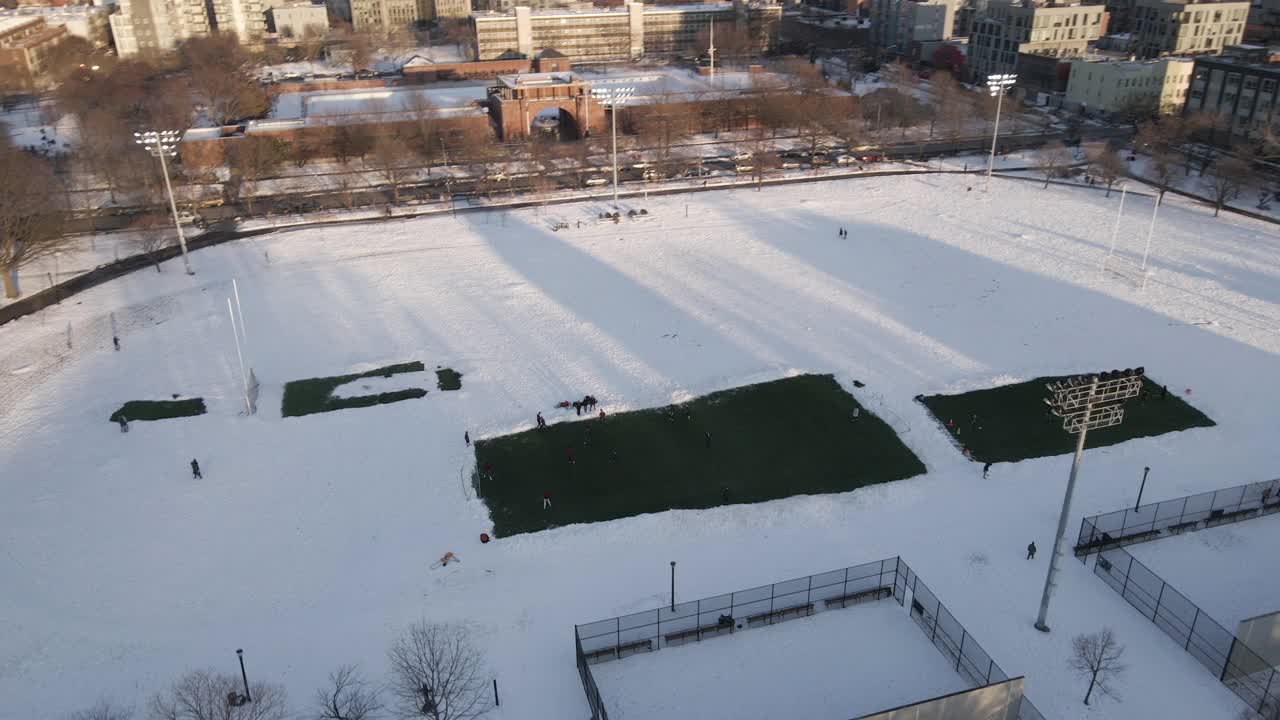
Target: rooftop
x=623 y=9
x=9 y=24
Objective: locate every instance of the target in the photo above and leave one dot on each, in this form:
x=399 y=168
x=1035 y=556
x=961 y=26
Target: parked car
x=741 y=157
x=743 y=168
x=697 y=172
x=820 y=160
x=496 y=177
x=794 y=154
x=640 y=166
x=790 y=165
x=871 y=158
x=845 y=160
x=651 y=175
x=595 y=181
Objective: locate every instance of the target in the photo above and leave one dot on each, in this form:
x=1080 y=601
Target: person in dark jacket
x=195 y=470
x=466 y=437
x=1031 y=551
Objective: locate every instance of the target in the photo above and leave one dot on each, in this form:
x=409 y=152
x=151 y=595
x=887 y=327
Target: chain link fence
x=1171 y=517
x=698 y=620
x=1234 y=664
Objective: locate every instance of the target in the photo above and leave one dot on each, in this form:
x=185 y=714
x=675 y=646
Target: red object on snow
x=601 y=413
x=563 y=404
x=484 y=537
x=1188 y=391
x=546 y=495
x=569 y=452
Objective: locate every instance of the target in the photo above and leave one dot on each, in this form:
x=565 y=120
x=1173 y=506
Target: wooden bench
x=1268 y=508
x=864 y=596
x=1182 y=526
x=780 y=614
x=698 y=633
x=619 y=651
x=1227 y=517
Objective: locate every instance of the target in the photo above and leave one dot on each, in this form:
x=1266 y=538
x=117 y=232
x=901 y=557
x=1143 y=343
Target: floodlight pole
x=613 y=121
x=155 y=142
x=673 y=586
x=243 y=676
x=1141 y=487
x=998 y=83
x=1066 y=510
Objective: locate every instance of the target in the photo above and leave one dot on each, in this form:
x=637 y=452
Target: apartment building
x=1169 y=27
x=26 y=46
x=389 y=15
x=1241 y=86
x=296 y=20
x=149 y=26
x=627 y=33
x=897 y=24
x=1009 y=27
x=84 y=21
x=1114 y=88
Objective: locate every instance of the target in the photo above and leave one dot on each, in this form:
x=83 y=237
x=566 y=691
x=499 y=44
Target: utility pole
x=1083 y=403
x=997 y=85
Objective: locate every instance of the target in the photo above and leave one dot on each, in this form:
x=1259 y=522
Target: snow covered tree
x=31 y=205
x=437 y=673
x=151 y=235
x=1097 y=656
x=208 y=695
x=103 y=710
x=1106 y=165
x=347 y=696
x=1053 y=160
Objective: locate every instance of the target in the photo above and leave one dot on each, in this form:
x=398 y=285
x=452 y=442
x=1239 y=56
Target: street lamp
x=673 y=586
x=612 y=97
x=243 y=676
x=996 y=84
x=162 y=144
x=1084 y=403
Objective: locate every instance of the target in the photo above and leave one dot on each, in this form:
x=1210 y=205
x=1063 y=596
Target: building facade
x=1007 y=28
x=149 y=26
x=1241 y=89
x=296 y=20
x=1165 y=27
x=84 y=21
x=897 y=24
x=26 y=47
x=1116 y=88
x=628 y=33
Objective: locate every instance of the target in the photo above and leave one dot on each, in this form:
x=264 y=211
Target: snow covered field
x=1228 y=570
x=844 y=663
x=309 y=541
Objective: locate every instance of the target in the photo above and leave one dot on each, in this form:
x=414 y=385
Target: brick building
x=26 y=48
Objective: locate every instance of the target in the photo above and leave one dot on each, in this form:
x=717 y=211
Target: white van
x=596 y=181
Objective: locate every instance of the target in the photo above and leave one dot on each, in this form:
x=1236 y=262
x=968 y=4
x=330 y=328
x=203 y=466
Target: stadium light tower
x=1083 y=403
x=612 y=97
x=996 y=84
x=162 y=144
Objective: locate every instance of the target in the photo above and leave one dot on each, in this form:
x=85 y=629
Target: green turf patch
x=1013 y=423
x=773 y=440
x=448 y=379
x=315 y=395
x=158 y=409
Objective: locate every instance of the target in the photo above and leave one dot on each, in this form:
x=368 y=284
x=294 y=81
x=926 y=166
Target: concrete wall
x=998 y=701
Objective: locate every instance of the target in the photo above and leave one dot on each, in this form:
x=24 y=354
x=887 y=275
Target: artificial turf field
x=795 y=436
x=1013 y=422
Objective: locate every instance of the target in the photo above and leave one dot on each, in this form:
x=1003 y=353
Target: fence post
x=990 y=664
x=936 y=611
x=1160 y=597
x=808 y=594
x=1266 y=692
x=844 y=592
x=1227 y=662
x=1127 y=571
x=697 y=622
x=1192 y=631
x=617 y=637
x=772 y=588
x=963 y=633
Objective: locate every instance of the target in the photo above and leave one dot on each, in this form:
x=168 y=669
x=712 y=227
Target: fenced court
x=1012 y=422
x=797 y=436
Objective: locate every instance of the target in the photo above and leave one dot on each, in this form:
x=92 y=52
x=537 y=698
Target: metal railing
x=697 y=620
x=1170 y=517
x=594 y=701
x=1234 y=664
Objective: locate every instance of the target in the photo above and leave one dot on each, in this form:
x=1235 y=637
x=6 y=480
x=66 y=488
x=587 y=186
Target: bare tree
x=1053 y=160
x=437 y=673
x=103 y=710
x=219 y=76
x=252 y=159
x=1163 y=169
x=208 y=695
x=347 y=696
x=151 y=235
x=30 y=214
x=394 y=162
x=1097 y=656
x=1106 y=165
x=1229 y=176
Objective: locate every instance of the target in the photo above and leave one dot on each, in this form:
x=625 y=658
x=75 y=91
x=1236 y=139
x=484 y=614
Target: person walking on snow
x=546 y=500
x=708 y=440
x=1031 y=551
x=466 y=437
x=577 y=407
x=195 y=470
x=541 y=423
x=124 y=428
x=569 y=451
x=986 y=469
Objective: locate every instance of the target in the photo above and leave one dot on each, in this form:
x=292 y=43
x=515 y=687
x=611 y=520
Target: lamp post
x=1141 y=487
x=673 y=586
x=1083 y=403
x=243 y=676
x=162 y=144
x=996 y=84
x=612 y=97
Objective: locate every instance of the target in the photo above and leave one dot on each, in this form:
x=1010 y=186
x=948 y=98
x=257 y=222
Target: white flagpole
x=244 y=381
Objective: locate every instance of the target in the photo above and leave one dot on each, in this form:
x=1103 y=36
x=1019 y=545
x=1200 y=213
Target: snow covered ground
x=844 y=663
x=309 y=541
x=1228 y=570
